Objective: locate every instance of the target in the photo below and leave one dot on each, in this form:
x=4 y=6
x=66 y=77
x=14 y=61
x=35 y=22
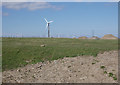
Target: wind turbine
x=48 y=26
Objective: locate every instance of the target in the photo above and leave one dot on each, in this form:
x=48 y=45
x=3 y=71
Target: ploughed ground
x=81 y=69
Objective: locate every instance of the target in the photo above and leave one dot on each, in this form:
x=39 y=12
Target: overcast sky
x=70 y=19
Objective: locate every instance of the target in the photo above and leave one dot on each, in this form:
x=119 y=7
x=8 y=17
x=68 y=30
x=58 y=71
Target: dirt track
x=81 y=69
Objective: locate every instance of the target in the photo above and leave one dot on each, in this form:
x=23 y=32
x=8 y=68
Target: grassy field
x=16 y=51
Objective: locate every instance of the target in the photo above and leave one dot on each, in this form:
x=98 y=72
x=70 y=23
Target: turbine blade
x=46 y=20
x=46 y=26
x=50 y=21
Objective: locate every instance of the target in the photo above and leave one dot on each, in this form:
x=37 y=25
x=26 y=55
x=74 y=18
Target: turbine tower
x=48 y=26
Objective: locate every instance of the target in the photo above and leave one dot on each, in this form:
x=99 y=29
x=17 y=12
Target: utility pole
x=92 y=33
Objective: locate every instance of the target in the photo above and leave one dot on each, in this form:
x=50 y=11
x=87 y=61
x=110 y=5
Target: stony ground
x=81 y=69
x=0 y=77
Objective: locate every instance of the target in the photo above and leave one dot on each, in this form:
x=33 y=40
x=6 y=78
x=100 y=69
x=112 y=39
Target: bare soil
x=81 y=69
x=0 y=77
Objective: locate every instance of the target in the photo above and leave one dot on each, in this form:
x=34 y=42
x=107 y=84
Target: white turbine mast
x=48 y=26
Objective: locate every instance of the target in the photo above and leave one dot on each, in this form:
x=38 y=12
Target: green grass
x=105 y=72
x=16 y=51
x=110 y=74
x=115 y=78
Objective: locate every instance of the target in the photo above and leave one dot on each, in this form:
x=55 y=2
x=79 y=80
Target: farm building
x=109 y=36
x=83 y=37
x=94 y=37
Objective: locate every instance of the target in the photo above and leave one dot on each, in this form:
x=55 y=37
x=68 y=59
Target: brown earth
x=81 y=69
x=0 y=78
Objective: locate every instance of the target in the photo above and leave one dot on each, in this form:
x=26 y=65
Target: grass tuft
x=102 y=67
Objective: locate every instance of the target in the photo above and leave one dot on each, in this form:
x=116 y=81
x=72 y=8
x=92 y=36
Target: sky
x=70 y=19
